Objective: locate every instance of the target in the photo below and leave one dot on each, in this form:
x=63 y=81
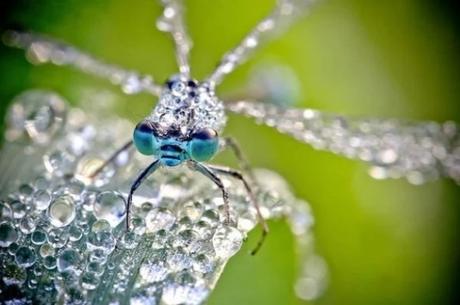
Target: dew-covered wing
x=419 y=151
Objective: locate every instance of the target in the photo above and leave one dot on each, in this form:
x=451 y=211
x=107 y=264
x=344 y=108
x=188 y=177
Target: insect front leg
x=137 y=183
x=237 y=175
x=232 y=144
x=206 y=171
x=112 y=158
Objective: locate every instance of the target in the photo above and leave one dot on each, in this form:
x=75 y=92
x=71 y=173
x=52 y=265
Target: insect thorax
x=188 y=106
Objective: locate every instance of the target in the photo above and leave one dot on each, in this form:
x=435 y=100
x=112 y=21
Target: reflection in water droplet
x=61 y=211
x=8 y=235
x=110 y=206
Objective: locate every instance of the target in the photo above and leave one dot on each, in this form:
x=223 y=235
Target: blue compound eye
x=203 y=144
x=144 y=138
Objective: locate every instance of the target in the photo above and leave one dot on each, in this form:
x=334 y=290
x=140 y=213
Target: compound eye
x=203 y=144
x=144 y=138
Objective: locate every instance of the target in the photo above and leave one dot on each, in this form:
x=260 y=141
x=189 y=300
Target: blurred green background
x=385 y=242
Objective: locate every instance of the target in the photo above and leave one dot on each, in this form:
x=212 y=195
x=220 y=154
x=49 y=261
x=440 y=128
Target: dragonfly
x=186 y=124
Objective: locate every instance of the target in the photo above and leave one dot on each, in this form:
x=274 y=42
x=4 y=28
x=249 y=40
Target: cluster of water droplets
x=62 y=236
x=189 y=105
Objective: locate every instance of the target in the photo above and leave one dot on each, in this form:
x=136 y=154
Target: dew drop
x=36 y=114
x=5 y=211
x=59 y=163
x=75 y=233
x=46 y=250
x=42 y=199
x=101 y=226
x=49 y=262
x=61 y=212
x=89 y=281
x=227 y=241
x=110 y=206
x=153 y=271
x=159 y=219
x=25 y=257
x=27 y=225
x=38 y=237
x=69 y=260
x=8 y=235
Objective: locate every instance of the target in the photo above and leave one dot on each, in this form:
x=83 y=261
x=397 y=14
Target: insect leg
x=43 y=49
x=112 y=158
x=144 y=175
x=237 y=175
x=203 y=169
x=172 y=21
x=231 y=143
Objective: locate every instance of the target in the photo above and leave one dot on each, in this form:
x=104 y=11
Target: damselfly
x=187 y=122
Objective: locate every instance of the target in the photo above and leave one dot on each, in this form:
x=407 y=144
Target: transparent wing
x=172 y=21
x=284 y=13
x=419 y=151
x=41 y=49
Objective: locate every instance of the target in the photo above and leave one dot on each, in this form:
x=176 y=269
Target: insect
x=186 y=124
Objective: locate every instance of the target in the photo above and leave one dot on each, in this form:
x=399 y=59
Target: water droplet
x=75 y=233
x=159 y=219
x=153 y=271
x=25 y=257
x=46 y=250
x=227 y=241
x=27 y=225
x=37 y=115
x=42 y=199
x=129 y=240
x=19 y=209
x=62 y=211
x=5 y=210
x=95 y=268
x=69 y=260
x=38 y=237
x=110 y=206
x=102 y=240
x=101 y=226
x=49 y=262
x=8 y=235
x=89 y=281
x=59 y=163
x=193 y=210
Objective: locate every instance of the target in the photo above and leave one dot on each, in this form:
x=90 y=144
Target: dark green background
x=385 y=242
